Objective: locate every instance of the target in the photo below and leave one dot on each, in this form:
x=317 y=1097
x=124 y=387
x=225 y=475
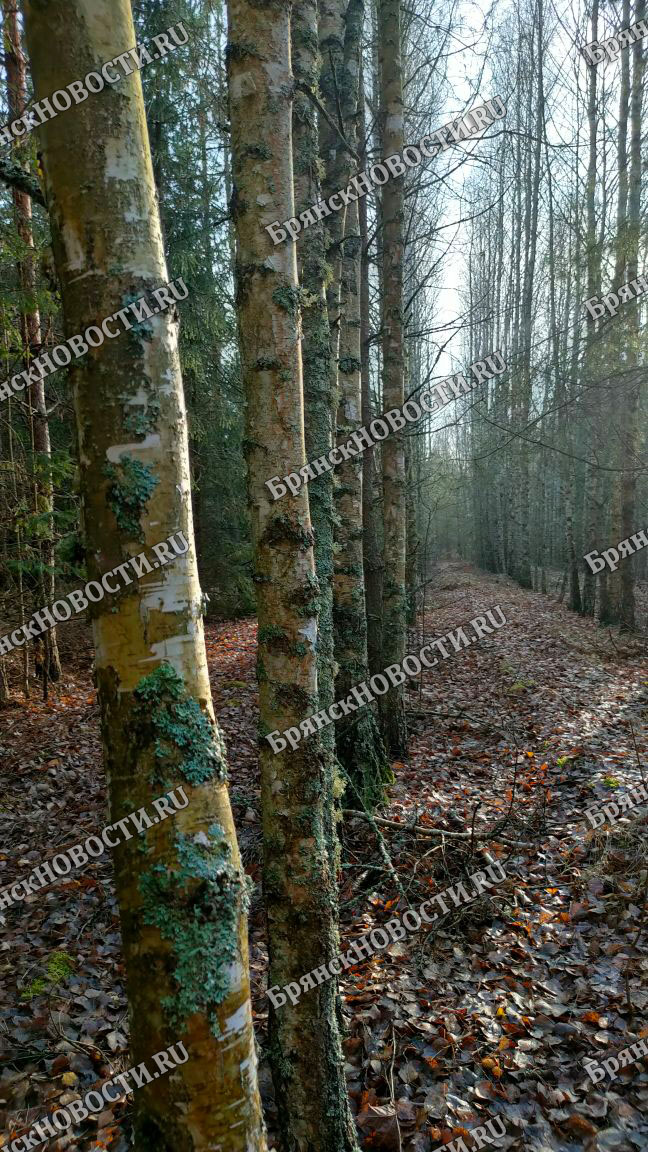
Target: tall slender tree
x=592 y=493
x=181 y=890
x=299 y=884
x=635 y=373
x=372 y=560
x=316 y=358
x=392 y=121
x=360 y=748
x=360 y=745
x=31 y=334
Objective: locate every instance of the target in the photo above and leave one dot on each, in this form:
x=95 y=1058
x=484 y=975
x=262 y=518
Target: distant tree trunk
x=299 y=886
x=340 y=35
x=317 y=363
x=43 y=486
x=501 y=387
x=392 y=119
x=592 y=527
x=4 y=484
x=20 y=556
x=180 y=887
x=359 y=744
x=372 y=560
x=360 y=747
x=635 y=374
x=610 y=583
x=573 y=362
x=560 y=372
x=531 y=190
x=411 y=529
x=511 y=488
x=335 y=159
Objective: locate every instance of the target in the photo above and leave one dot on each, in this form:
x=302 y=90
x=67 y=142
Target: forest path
x=489 y=1013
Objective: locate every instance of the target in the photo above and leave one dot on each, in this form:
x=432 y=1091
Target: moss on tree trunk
x=299 y=884
x=360 y=745
x=313 y=272
x=180 y=885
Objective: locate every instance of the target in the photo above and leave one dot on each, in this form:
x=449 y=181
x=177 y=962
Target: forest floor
x=495 y=1009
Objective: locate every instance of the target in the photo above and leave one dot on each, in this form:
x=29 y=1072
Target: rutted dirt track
x=491 y=1012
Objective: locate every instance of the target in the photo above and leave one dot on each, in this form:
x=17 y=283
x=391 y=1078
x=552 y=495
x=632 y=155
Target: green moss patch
x=59 y=966
x=196 y=907
x=185 y=740
x=130 y=486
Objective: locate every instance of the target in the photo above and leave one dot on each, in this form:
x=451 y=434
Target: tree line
x=280 y=353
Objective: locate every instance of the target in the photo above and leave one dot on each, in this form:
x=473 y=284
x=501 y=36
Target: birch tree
x=317 y=360
x=299 y=884
x=180 y=887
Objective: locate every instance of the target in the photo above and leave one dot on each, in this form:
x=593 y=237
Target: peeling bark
x=180 y=886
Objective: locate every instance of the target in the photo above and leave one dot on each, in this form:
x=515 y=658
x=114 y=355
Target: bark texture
x=299 y=886
x=360 y=746
x=317 y=363
x=31 y=334
x=392 y=115
x=180 y=886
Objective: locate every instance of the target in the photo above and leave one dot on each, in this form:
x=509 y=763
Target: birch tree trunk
x=360 y=747
x=359 y=744
x=372 y=561
x=317 y=362
x=392 y=706
x=531 y=196
x=180 y=886
x=372 y=460
x=610 y=586
x=299 y=886
x=592 y=518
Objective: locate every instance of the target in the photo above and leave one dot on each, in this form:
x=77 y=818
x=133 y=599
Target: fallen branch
x=423 y=830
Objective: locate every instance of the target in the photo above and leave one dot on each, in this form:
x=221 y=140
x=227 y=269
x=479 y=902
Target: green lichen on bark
x=241 y=50
x=259 y=152
x=267 y=364
x=348 y=365
x=294 y=697
x=307 y=598
x=196 y=907
x=130 y=486
x=364 y=762
x=271 y=633
x=144 y=417
x=141 y=328
x=185 y=740
x=287 y=296
x=283 y=530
